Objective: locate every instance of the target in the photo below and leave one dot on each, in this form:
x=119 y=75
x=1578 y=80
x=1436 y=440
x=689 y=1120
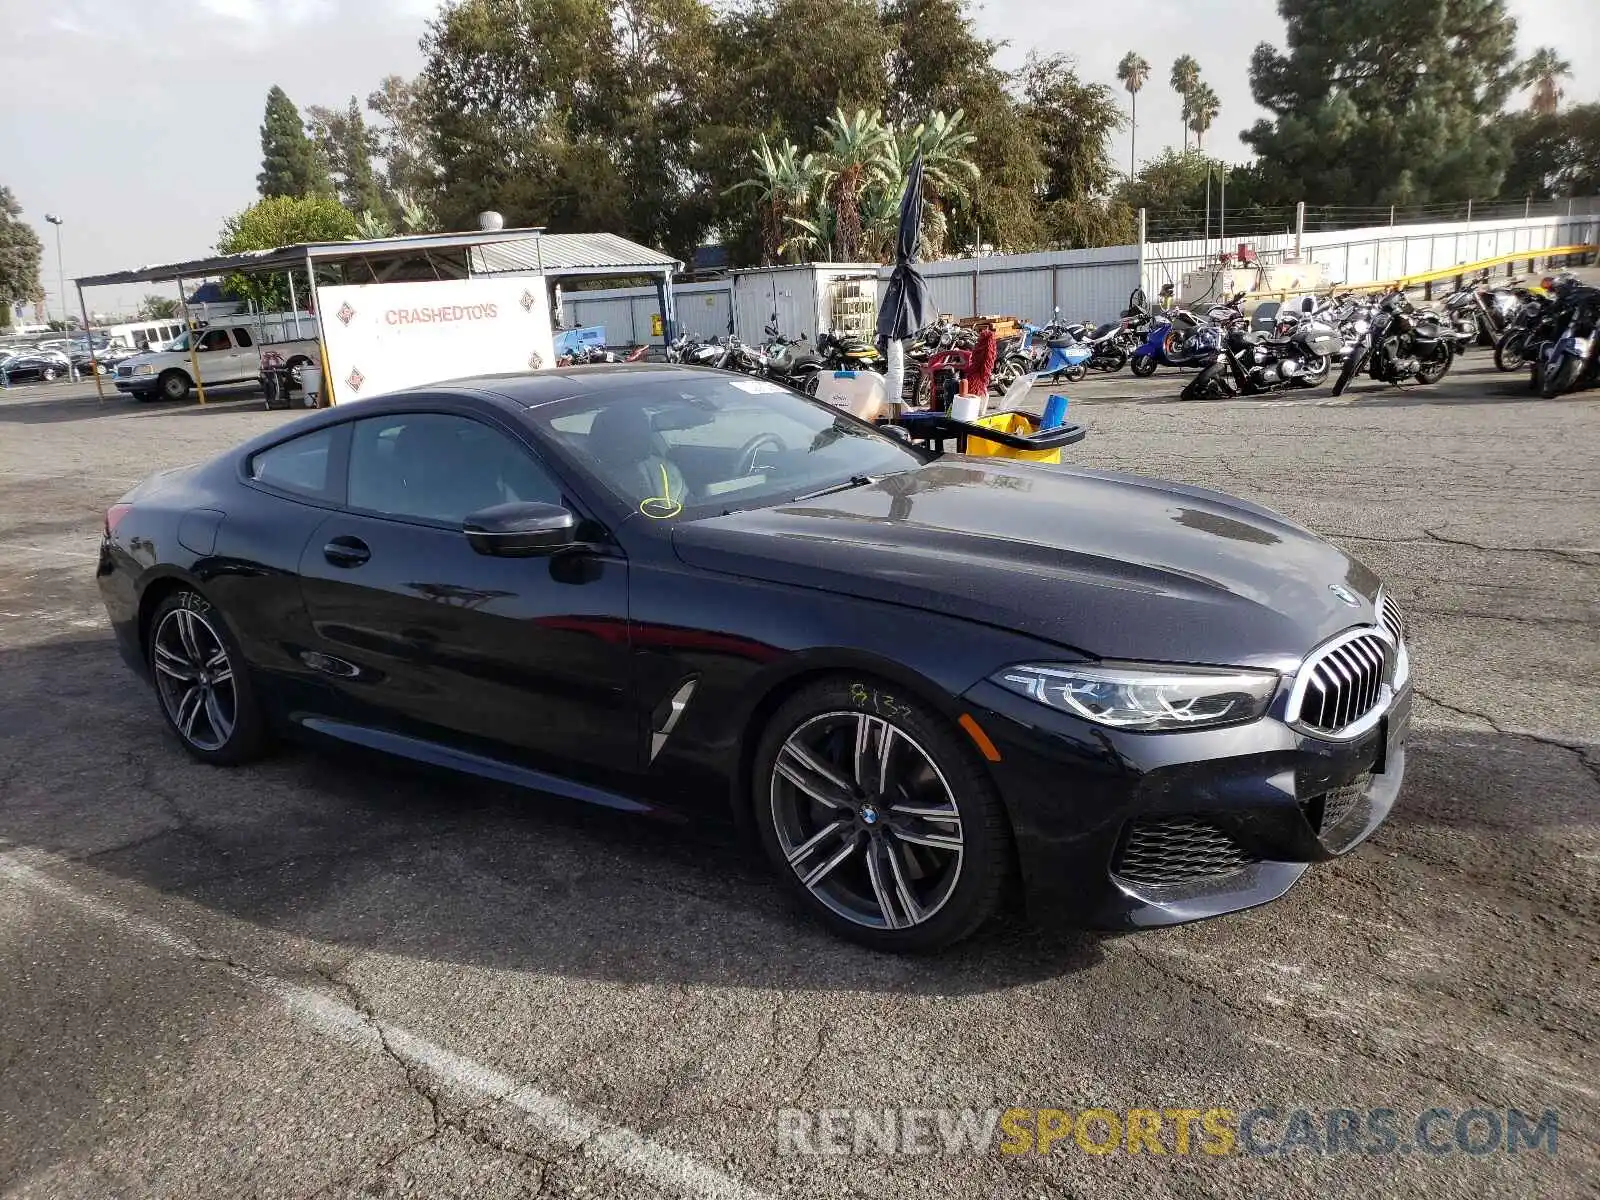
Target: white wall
x=1088 y=285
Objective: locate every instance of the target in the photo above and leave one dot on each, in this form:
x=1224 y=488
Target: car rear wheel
x=879 y=817
x=202 y=683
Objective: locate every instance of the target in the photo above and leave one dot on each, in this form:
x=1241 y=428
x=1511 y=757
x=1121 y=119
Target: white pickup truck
x=225 y=354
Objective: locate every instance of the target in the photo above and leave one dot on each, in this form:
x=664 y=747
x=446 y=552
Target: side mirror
x=521 y=529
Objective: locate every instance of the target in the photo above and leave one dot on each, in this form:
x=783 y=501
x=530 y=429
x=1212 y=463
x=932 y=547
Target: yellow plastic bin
x=1018 y=425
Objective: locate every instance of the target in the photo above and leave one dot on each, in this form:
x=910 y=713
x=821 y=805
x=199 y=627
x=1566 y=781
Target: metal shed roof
x=285 y=258
x=572 y=254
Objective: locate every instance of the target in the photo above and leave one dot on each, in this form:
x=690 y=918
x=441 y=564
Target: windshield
x=686 y=447
x=181 y=342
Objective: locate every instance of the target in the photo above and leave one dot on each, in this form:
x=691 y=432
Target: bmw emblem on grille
x=1344 y=594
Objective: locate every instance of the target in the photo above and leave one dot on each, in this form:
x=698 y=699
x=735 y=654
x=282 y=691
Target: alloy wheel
x=866 y=820
x=194 y=677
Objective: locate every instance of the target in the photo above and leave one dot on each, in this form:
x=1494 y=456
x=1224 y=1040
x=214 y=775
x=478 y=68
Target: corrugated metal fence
x=1094 y=284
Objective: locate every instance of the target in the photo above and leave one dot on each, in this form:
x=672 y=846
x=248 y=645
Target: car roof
x=531 y=389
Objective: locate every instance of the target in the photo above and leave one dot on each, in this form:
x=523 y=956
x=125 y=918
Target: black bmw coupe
x=920 y=679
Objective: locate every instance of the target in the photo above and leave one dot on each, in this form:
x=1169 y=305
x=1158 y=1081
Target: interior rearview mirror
x=521 y=529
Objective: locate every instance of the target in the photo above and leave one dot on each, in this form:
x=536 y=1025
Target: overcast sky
x=136 y=120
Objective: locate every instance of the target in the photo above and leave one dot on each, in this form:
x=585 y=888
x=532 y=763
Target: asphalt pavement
x=336 y=977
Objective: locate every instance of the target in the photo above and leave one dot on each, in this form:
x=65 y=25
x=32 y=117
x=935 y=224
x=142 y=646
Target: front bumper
x=1121 y=830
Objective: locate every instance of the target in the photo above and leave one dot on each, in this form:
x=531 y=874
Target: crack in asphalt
x=440 y=1119
x=1578 y=751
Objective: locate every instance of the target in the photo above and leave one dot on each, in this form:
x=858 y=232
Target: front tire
x=174 y=385
x=1509 y=352
x=879 y=817
x=1144 y=365
x=1553 y=383
x=202 y=683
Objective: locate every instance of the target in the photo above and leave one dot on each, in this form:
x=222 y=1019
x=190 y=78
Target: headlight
x=143 y=369
x=1145 y=698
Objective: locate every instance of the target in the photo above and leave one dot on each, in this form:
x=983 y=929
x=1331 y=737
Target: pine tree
x=1384 y=103
x=290 y=163
x=347 y=144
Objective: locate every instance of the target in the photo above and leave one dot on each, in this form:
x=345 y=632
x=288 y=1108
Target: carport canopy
x=526 y=251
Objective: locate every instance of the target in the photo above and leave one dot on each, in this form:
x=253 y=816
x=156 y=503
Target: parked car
x=35 y=367
x=225 y=354
x=918 y=678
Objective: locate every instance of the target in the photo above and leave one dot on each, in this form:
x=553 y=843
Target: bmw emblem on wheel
x=1345 y=594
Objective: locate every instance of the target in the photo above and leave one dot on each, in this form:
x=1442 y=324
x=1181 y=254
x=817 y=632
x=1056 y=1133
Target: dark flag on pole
x=906 y=298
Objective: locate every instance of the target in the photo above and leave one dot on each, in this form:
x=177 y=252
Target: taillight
x=114 y=516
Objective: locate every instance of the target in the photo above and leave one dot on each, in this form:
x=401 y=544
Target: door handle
x=346 y=552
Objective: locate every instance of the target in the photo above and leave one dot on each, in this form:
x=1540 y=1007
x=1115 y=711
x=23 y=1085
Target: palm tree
x=785 y=179
x=947 y=172
x=854 y=165
x=1185 y=78
x=1132 y=71
x=1543 y=72
x=1202 y=110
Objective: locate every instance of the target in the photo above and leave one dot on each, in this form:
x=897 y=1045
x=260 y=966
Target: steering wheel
x=748 y=452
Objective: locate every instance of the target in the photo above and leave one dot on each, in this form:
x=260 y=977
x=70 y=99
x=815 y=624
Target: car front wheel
x=202 y=683
x=880 y=817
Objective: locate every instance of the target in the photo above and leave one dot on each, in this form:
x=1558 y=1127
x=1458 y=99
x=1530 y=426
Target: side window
x=215 y=339
x=241 y=338
x=298 y=465
x=440 y=468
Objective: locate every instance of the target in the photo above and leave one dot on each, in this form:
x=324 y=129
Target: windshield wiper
x=854 y=481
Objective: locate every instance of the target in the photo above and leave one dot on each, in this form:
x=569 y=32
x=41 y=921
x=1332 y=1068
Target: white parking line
x=551 y=1116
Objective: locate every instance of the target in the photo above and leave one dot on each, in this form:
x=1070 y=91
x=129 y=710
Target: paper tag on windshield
x=757 y=386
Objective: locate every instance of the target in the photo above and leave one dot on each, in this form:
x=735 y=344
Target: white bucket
x=966 y=408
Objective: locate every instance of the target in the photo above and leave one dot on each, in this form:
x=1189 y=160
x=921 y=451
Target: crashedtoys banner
x=382 y=337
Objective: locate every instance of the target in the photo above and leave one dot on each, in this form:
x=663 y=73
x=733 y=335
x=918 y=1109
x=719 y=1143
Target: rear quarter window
x=301 y=465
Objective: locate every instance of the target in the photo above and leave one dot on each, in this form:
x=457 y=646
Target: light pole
x=60 y=272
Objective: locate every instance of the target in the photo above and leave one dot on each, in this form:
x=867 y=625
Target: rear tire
x=202 y=684
x=1316 y=376
x=904 y=878
x=1435 y=371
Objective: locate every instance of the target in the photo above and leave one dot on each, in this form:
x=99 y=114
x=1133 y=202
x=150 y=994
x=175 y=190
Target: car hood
x=1112 y=565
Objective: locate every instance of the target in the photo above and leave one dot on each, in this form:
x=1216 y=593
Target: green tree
x=572 y=114
x=20 y=253
x=401 y=138
x=347 y=146
x=280 y=221
x=290 y=164
x=159 y=308
x=1132 y=72
x=1554 y=155
x=1185 y=78
x=1203 y=109
x=1379 y=103
x=785 y=182
x=1543 y=72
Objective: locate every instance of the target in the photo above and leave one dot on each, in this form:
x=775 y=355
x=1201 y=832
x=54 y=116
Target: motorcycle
x=1564 y=357
x=1401 y=342
x=1297 y=352
x=786 y=364
x=849 y=352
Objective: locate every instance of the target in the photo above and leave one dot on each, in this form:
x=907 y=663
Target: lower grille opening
x=1329 y=810
x=1168 y=850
